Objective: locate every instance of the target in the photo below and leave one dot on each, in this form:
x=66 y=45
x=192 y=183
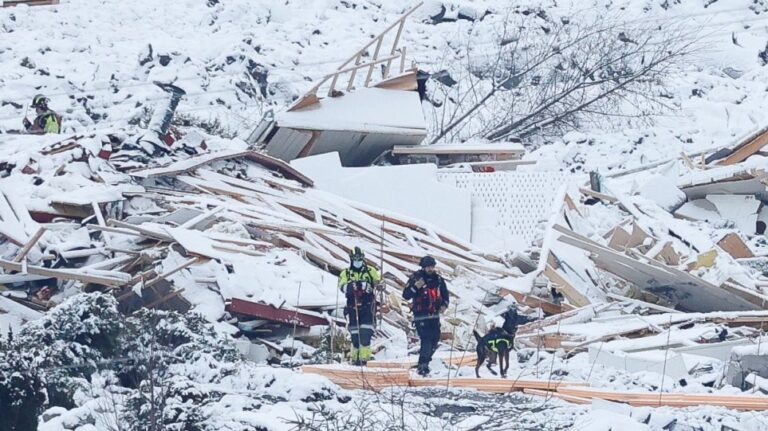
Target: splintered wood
x=285 y=214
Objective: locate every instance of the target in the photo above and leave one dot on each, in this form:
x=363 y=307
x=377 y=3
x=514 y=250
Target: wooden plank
x=551 y=320
x=395 y=220
x=28 y=246
x=163 y=299
x=746 y=149
x=671 y=399
x=691 y=292
x=455 y=359
x=165 y=275
x=10 y=225
x=146 y=232
x=319 y=255
x=350 y=377
x=619 y=238
x=67 y=274
x=187 y=165
x=575 y=297
x=735 y=246
x=114 y=230
x=404 y=82
x=100 y=221
x=598 y=195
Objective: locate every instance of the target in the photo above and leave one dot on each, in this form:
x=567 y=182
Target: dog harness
x=493 y=344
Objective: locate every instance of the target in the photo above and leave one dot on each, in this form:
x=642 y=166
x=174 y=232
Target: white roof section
x=494 y=148
x=370 y=110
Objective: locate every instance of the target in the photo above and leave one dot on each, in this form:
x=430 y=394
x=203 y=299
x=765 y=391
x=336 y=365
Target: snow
x=740 y=210
x=13 y=315
x=411 y=190
x=371 y=110
x=699 y=209
x=602 y=420
x=660 y=190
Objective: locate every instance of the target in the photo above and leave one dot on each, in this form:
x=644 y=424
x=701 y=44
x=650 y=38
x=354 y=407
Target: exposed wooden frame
x=310 y=97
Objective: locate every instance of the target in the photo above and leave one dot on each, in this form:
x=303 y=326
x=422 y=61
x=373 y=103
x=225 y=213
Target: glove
x=419 y=283
x=27 y=123
x=349 y=287
x=443 y=308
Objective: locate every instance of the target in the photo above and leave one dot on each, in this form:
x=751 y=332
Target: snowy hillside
x=186 y=229
x=236 y=59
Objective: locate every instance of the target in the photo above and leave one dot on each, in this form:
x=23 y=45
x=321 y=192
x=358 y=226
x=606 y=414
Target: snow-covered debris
x=195 y=219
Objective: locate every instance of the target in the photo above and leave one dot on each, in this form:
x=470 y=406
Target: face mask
x=357 y=263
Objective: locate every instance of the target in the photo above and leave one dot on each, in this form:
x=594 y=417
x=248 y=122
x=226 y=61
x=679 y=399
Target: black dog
x=499 y=342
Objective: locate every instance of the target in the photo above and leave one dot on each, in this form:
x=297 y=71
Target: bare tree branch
x=574 y=72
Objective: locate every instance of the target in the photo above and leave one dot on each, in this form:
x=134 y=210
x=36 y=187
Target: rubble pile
x=157 y=236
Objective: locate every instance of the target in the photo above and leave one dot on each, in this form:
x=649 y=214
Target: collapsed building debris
x=360 y=123
x=638 y=281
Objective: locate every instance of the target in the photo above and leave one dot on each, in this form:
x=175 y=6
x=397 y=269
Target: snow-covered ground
x=97 y=61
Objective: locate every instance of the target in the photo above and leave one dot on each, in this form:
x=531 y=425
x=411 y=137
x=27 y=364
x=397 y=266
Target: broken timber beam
x=289 y=316
x=28 y=246
x=66 y=274
x=747 y=148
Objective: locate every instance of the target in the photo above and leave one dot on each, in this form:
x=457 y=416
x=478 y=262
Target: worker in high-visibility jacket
x=46 y=121
x=359 y=284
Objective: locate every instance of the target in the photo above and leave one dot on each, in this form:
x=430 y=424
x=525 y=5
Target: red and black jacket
x=428 y=292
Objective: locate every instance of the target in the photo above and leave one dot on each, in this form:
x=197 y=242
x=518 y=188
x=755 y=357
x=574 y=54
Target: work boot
x=365 y=354
x=423 y=370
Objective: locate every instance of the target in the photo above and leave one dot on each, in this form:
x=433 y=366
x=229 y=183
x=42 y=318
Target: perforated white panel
x=521 y=200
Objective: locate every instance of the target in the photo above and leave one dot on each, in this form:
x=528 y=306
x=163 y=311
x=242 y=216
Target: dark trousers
x=429 y=334
x=360 y=325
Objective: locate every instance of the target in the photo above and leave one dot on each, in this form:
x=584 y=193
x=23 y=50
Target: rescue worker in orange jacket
x=429 y=293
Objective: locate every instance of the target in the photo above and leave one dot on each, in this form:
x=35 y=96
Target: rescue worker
x=46 y=120
x=359 y=283
x=429 y=293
